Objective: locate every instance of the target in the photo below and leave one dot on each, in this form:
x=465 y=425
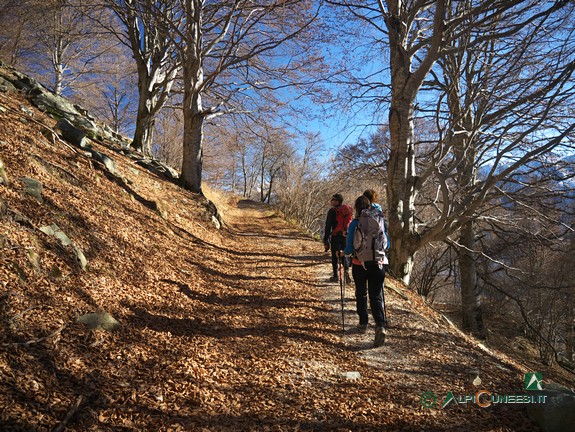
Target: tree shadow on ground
x=241 y=253
x=189 y=327
x=258 y=301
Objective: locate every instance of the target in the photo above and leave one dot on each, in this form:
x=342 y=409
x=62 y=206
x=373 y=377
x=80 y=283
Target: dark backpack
x=343 y=216
x=370 y=239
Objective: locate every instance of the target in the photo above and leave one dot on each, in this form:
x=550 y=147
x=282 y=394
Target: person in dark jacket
x=335 y=240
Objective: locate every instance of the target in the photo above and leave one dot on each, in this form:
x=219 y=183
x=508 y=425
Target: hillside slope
x=230 y=329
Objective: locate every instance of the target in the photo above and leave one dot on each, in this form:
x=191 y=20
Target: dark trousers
x=338 y=245
x=370 y=281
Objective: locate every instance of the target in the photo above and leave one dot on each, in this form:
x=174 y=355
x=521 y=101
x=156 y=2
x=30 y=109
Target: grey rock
x=83 y=112
x=82 y=261
x=6 y=86
x=172 y=173
x=107 y=161
x=156 y=167
x=99 y=321
x=27 y=111
x=3 y=174
x=557 y=413
x=72 y=134
x=88 y=125
x=56 y=231
x=350 y=376
x=53 y=104
x=33 y=187
x=25 y=83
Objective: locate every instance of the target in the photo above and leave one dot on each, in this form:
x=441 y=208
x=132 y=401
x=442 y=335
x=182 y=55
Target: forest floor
x=219 y=330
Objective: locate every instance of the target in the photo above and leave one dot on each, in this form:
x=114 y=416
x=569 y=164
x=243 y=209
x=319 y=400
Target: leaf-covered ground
x=231 y=329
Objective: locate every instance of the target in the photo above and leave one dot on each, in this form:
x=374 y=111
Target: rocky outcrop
x=58 y=107
x=78 y=127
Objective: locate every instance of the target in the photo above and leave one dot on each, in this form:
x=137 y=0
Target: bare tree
x=156 y=58
x=110 y=93
x=15 y=40
x=169 y=128
x=537 y=274
x=434 y=271
x=491 y=110
x=273 y=151
x=417 y=35
x=66 y=43
x=231 y=158
x=302 y=192
x=367 y=158
x=226 y=49
x=60 y=42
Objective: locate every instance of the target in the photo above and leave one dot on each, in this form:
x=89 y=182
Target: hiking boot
x=334 y=279
x=347 y=278
x=379 y=337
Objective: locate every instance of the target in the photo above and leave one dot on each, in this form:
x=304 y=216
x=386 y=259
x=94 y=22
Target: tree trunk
x=144 y=133
x=146 y=116
x=233 y=175
x=470 y=293
x=269 y=191
x=245 y=174
x=262 y=173
x=58 y=78
x=461 y=122
x=402 y=183
x=191 y=177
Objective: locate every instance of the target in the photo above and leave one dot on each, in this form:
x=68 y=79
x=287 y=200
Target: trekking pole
x=341 y=282
x=385 y=320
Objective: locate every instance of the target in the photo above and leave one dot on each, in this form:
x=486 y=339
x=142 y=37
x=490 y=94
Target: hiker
x=371 y=195
x=338 y=218
x=368 y=274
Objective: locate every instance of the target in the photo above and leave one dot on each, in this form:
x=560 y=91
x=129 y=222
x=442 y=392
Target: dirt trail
x=305 y=351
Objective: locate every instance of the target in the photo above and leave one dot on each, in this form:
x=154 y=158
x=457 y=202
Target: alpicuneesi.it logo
x=533 y=381
x=484 y=398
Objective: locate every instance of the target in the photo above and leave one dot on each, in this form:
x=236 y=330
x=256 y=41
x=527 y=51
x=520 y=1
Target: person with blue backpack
x=371 y=195
x=366 y=244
